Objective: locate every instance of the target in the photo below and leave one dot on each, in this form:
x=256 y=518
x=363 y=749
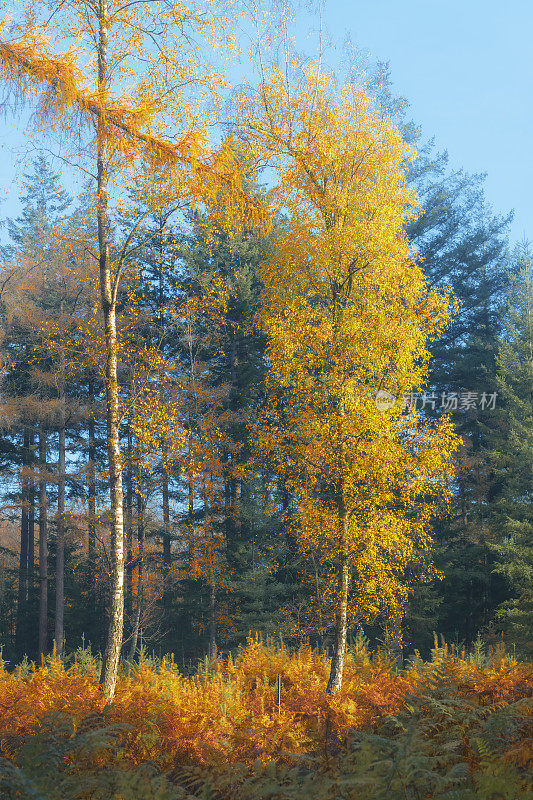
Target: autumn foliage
x=267 y=706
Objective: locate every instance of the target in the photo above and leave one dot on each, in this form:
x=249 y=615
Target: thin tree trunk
x=462 y=496
x=191 y=501
x=116 y=610
x=22 y=600
x=167 y=556
x=164 y=472
x=136 y=624
x=396 y=645
x=31 y=525
x=166 y=521
x=60 y=529
x=108 y=677
x=343 y=575
x=140 y=573
x=212 y=621
x=91 y=480
x=43 y=547
x=212 y=646
x=320 y=622
x=129 y=525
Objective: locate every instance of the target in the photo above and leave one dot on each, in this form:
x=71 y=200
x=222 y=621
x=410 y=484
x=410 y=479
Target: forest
x=266 y=440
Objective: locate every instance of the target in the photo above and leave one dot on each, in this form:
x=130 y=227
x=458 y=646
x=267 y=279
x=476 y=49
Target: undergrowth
x=262 y=726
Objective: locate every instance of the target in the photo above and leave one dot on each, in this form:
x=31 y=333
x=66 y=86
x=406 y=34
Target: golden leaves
x=347 y=311
x=138 y=123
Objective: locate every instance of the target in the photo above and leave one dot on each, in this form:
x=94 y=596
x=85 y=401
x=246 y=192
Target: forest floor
x=263 y=726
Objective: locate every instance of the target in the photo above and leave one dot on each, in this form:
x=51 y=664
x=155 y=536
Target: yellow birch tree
x=348 y=314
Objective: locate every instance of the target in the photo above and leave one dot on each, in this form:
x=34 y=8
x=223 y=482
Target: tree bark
x=59 y=633
x=341 y=622
x=129 y=525
x=43 y=547
x=212 y=621
x=31 y=525
x=164 y=472
x=166 y=521
x=22 y=600
x=108 y=677
x=91 y=481
x=140 y=572
x=396 y=645
x=167 y=556
x=116 y=610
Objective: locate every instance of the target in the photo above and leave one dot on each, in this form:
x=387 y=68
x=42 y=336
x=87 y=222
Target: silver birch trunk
x=341 y=622
x=108 y=676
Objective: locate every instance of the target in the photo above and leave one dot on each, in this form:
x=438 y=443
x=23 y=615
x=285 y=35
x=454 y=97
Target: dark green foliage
x=39 y=772
x=464 y=248
x=510 y=454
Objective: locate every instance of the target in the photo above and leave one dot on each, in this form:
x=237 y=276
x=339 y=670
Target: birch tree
x=348 y=314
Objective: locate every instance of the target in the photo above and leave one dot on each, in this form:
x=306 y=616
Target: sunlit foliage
x=349 y=314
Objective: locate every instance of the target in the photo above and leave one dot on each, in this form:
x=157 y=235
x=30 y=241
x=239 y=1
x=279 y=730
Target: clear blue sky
x=466 y=69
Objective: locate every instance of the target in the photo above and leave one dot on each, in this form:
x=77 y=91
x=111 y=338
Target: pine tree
x=44 y=203
x=234 y=355
x=29 y=293
x=510 y=455
x=463 y=246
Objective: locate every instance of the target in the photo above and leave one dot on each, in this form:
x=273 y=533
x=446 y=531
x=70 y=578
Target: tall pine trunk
x=129 y=524
x=167 y=558
x=108 y=677
x=43 y=547
x=166 y=521
x=164 y=472
x=211 y=582
x=91 y=481
x=212 y=620
x=31 y=532
x=140 y=571
x=22 y=600
x=59 y=633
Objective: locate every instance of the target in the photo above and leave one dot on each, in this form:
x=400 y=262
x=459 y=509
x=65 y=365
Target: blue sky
x=465 y=67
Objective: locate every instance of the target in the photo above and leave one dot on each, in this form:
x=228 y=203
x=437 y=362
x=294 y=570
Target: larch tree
x=157 y=115
x=348 y=314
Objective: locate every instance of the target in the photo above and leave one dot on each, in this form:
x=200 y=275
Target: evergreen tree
x=44 y=203
x=464 y=247
x=510 y=455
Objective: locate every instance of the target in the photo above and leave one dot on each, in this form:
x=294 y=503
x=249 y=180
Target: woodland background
x=210 y=557
x=211 y=551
